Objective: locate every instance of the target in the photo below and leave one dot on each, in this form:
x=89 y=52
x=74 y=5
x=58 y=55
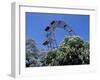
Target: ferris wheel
x=50 y=40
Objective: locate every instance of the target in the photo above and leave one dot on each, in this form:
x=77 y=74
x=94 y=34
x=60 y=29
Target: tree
x=32 y=54
x=72 y=51
x=49 y=58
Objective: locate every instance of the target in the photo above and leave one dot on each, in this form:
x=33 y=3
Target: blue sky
x=37 y=22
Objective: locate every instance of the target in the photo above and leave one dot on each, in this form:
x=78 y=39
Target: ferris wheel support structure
x=50 y=40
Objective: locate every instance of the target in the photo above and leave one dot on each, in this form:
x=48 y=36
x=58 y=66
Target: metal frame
x=50 y=40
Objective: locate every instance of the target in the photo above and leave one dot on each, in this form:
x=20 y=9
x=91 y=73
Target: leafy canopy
x=72 y=51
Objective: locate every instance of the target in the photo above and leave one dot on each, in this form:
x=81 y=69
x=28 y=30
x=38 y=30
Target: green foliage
x=72 y=51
